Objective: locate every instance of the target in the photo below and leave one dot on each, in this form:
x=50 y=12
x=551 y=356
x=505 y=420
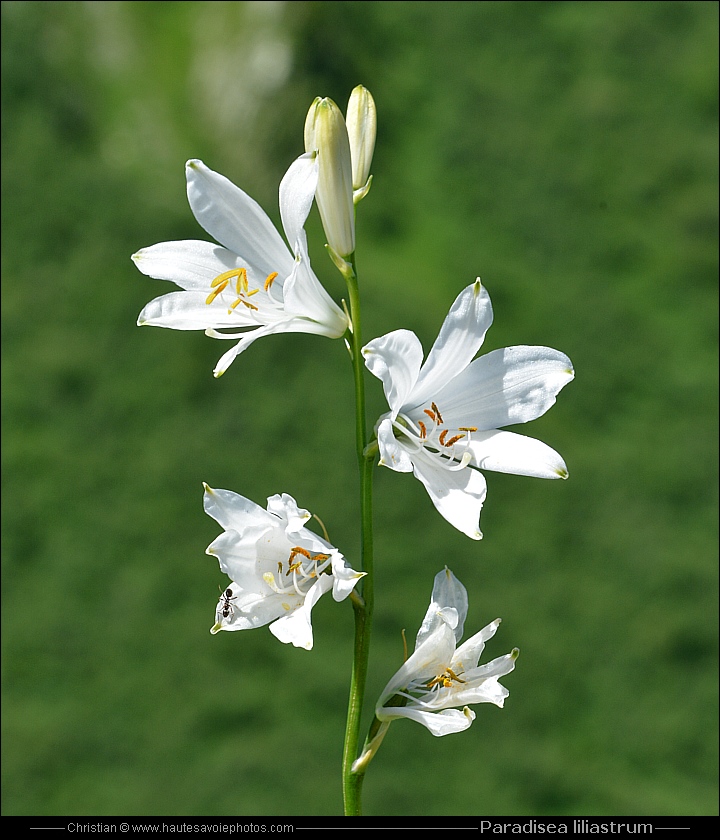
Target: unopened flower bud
x=326 y=134
x=362 y=129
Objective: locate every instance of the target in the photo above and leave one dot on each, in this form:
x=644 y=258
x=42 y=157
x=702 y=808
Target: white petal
x=233 y=511
x=237 y=221
x=439 y=723
x=296 y=627
x=395 y=359
x=297 y=190
x=393 y=453
x=304 y=295
x=237 y=555
x=507 y=386
x=191 y=263
x=509 y=452
x=345 y=578
x=292 y=517
x=459 y=339
x=448 y=594
x=298 y=325
x=190 y=311
x=248 y=610
x=469 y=652
x=488 y=691
x=458 y=495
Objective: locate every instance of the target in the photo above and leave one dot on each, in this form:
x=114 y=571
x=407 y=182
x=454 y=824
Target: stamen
x=467 y=428
x=431 y=414
x=270 y=280
x=453 y=439
x=437 y=411
x=423 y=429
x=248 y=304
x=216 y=291
x=242 y=281
x=442 y=437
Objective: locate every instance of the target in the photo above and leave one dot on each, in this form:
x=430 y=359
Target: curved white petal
x=247 y=609
x=448 y=596
x=189 y=310
x=191 y=263
x=512 y=385
x=236 y=553
x=393 y=454
x=232 y=511
x=459 y=339
x=304 y=295
x=487 y=691
x=509 y=452
x=286 y=509
x=439 y=723
x=469 y=652
x=345 y=578
x=395 y=358
x=297 y=190
x=296 y=627
x=235 y=220
x=458 y=495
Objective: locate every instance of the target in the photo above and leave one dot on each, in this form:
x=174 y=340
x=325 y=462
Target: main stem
x=363 y=607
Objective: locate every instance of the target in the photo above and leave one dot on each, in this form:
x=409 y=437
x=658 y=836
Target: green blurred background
x=566 y=153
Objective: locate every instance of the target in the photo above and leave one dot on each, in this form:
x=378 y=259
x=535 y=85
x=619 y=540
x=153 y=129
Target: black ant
x=227 y=608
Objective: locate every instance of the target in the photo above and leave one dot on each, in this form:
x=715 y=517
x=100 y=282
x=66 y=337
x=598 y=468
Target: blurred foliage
x=566 y=152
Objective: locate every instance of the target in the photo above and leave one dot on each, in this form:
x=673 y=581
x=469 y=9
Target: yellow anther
x=293 y=567
x=216 y=291
x=242 y=281
x=437 y=411
x=270 y=280
x=252 y=292
x=467 y=428
x=228 y=275
x=248 y=304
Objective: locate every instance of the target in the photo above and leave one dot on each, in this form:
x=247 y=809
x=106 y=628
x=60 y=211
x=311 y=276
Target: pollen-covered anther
x=437 y=412
x=423 y=430
x=453 y=440
x=219 y=288
x=270 y=280
x=298 y=550
x=431 y=414
x=442 y=437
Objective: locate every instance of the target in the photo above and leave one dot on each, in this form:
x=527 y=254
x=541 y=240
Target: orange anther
x=454 y=439
x=442 y=437
x=423 y=429
x=437 y=411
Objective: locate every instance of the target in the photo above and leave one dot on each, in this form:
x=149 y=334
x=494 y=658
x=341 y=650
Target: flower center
x=241 y=288
x=445 y=680
x=298 y=572
x=452 y=445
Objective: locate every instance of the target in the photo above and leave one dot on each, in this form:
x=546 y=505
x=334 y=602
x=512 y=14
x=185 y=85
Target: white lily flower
x=279 y=569
x=250 y=284
x=445 y=414
x=439 y=677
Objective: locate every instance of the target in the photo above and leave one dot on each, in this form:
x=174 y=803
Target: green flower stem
x=363 y=608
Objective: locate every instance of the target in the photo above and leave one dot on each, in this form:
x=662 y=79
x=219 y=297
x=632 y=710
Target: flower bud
x=326 y=133
x=362 y=128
